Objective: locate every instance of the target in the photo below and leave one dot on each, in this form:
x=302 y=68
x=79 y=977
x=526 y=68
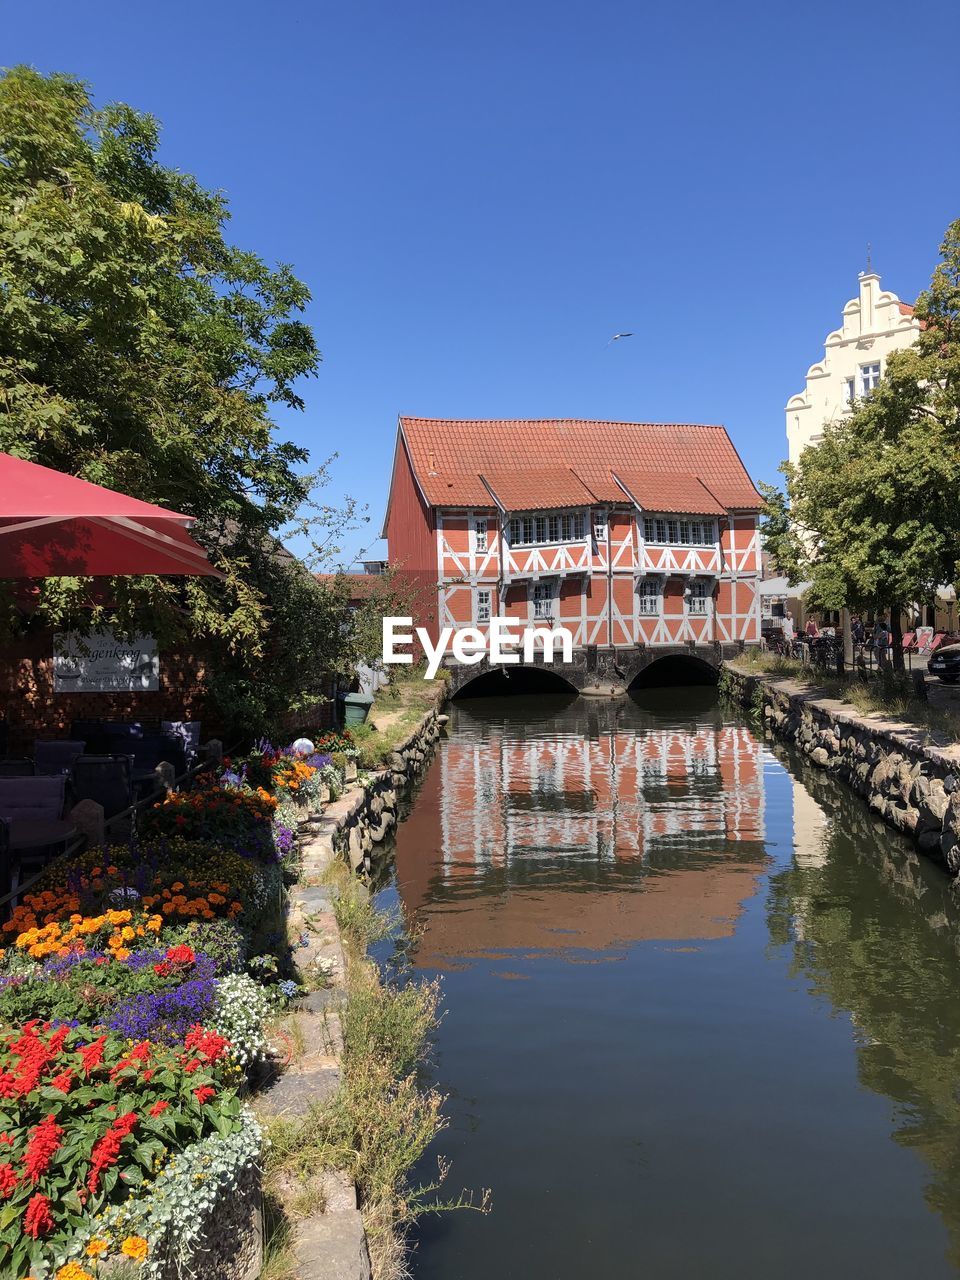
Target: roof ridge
x=599 y=422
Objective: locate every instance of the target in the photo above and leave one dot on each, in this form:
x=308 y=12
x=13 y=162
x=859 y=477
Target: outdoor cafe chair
x=153 y=749
x=56 y=757
x=16 y=767
x=107 y=780
x=33 y=812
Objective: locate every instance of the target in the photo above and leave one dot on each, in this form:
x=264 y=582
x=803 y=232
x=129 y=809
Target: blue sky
x=479 y=195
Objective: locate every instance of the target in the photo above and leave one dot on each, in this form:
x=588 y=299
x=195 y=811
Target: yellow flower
x=96 y=1248
x=134 y=1247
x=73 y=1271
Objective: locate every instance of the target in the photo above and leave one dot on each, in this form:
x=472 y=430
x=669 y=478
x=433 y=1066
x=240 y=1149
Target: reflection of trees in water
x=876 y=934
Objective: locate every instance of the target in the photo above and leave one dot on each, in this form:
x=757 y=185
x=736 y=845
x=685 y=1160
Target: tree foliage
x=873 y=519
x=140 y=350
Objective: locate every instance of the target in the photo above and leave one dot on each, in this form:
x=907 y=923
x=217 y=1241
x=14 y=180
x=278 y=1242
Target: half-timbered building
x=625 y=533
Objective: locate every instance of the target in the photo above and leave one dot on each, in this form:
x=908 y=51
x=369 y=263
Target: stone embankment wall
x=912 y=784
x=372 y=810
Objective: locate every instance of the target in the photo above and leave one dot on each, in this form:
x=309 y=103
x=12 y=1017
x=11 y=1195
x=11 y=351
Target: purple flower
x=165 y=1016
x=318 y=760
x=284 y=839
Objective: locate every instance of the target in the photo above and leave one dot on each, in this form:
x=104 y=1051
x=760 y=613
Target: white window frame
x=478 y=609
x=697 y=603
x=869 y=376
x=693 y=531
x=650 y=597
x=543 y=595
x=600 y=527
x=480 y=534
x=850 y=390
x=546 y=528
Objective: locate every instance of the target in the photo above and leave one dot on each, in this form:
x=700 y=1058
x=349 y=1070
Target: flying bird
x=617 y=336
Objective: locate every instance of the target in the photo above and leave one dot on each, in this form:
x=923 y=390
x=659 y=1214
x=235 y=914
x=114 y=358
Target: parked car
x=945 y=663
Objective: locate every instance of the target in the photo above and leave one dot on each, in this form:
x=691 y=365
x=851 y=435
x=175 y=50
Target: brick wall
x=33 y=710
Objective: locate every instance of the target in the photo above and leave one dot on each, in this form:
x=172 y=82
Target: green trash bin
x=355 y=707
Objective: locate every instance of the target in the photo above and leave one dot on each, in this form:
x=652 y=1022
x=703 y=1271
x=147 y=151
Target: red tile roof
x=449 y=458
x=537 y=489
x=358 y=585
x=670 y=491
x=906 y=308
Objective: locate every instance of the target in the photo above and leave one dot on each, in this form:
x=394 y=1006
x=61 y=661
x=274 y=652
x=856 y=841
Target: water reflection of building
x=810 y=824
x=564 y=840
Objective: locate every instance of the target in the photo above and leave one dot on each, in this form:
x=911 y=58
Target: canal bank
x=691 y=1025
x=910 y=782
x=345 y=1120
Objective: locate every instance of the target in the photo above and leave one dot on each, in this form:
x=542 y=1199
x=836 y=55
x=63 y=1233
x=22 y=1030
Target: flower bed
x=135 y=988
x=85 y=1122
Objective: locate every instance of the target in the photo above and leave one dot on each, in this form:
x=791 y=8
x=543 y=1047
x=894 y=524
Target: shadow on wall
x=675 y=669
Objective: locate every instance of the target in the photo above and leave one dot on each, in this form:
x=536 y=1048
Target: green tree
x=140 y=350
x=873 y=517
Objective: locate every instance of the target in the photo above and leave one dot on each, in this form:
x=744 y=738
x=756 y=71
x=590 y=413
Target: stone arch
x=504 y=681
x=673 y=669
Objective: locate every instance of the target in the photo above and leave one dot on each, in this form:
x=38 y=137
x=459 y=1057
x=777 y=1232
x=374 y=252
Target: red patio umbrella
x=54 y=525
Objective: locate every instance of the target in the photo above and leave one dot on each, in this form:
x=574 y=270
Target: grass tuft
x=382 y=1119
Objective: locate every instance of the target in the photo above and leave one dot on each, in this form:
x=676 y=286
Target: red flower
x=204 y=1094
x=193 y=1065
x=92 y=1054
x=8 y=1181
x=38 y=1221
x=162 y=969
x=45 y=1140
x=211 y=1045
x=159 y=1107
x=6 y=1139
x=63 y=1081
x=107 y=1149
x=181 y=954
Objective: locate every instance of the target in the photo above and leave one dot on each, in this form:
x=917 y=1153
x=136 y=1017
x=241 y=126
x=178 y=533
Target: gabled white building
x=854 y=358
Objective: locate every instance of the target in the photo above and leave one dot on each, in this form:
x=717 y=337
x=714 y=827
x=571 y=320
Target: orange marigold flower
x=135 y=1247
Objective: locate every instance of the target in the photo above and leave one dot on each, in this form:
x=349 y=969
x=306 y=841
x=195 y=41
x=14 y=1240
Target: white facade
x=854 y=359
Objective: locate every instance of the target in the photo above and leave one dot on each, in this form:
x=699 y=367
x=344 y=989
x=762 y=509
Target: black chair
x=107 y=780
x=55 y=756
x=17 y=768
x=5 y=865
x=91 y=732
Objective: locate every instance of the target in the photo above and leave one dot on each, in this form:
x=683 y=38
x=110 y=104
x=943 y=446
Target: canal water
x=701 y=1009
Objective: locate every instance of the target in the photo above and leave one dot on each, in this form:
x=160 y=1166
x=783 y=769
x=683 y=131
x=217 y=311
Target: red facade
x=624 y=533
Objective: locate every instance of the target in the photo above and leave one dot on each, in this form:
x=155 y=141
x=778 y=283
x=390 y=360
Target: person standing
x=881 y=641
x=789 y=630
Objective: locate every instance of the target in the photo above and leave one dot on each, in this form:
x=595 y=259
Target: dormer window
x=691 y=533
x=532 y=531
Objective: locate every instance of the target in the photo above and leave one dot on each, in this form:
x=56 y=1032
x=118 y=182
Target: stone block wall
x=373 y=811
x=910 y=783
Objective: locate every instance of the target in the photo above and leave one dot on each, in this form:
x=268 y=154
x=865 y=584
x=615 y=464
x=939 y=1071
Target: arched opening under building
x=674 y=670
x=505 y=681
